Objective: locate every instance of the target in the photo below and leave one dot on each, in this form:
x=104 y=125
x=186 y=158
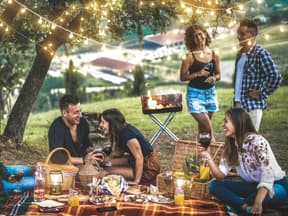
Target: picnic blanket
x=18 y=204
x=22 y=204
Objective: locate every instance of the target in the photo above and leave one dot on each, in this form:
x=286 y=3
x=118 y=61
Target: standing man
x=256 y=75
x=70 y=131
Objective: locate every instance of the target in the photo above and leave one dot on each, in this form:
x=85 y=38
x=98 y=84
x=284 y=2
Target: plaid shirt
x=260 y=72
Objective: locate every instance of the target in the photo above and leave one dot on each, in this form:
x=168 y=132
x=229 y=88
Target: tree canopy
x=48 y=24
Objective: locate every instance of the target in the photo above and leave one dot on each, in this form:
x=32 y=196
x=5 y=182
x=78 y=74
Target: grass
x=275 y=121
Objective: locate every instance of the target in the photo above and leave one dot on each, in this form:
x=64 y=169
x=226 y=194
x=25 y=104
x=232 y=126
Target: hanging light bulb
x=40 y=21
x=201 y=54
x=249 y=42
x=23 y=10
x=71 y=35
x=282 y=29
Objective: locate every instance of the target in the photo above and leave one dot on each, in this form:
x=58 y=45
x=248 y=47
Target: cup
x=204 y=139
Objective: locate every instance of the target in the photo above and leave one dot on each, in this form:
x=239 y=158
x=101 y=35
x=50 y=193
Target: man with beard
x=70 y=131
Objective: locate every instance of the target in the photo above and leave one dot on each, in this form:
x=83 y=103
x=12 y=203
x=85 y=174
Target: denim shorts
x=201 y=100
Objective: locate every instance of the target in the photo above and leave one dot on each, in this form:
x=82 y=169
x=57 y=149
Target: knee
x=213 y=184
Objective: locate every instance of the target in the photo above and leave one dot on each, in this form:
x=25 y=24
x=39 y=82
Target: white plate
x=160 y=199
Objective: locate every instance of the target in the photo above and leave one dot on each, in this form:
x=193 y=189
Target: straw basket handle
x=69 y=162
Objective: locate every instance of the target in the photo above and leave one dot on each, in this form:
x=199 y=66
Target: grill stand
x=163 y=127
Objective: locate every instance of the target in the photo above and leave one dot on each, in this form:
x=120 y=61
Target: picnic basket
x=192 y=189
x=68 y=170
x=86 y=174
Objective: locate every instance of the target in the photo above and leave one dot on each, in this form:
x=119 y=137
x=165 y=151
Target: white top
x=239 y=76
x=257 y=163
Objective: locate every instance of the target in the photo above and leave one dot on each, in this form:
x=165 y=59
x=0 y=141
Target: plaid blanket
x=21 y=204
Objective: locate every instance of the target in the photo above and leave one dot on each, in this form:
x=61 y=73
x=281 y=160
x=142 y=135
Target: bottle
x=39 y=186
x=179 y=192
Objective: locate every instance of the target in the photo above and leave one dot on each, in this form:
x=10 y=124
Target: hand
x=210 y=80
x=95 y=158
x=202 y=151
x=256 y=209
x=254 y=93
x=204 y=72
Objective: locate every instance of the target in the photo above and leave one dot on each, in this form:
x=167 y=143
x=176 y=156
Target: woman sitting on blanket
x=141 y=163
x=263 y=183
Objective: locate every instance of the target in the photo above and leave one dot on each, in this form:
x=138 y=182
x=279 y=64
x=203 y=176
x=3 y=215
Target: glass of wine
x=168 y=180
x=204 y=139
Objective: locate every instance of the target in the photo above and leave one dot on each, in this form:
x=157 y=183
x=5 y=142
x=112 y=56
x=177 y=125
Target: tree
x=61 y=22
x=139 y=81
x=72 y=80
x=50 y=24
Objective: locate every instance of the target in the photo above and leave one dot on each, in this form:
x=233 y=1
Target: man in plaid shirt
x=256 y=75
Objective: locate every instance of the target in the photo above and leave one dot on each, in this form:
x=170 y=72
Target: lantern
x=56 y=180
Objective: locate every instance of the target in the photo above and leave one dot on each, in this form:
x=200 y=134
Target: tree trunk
x=18 y=117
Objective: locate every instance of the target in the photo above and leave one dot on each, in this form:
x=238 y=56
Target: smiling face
x=229 y=129
x=72 y=114
x=200 y=37
x=104 y=125
x=245 y=37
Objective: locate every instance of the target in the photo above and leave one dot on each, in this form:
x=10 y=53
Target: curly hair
x=189 y=36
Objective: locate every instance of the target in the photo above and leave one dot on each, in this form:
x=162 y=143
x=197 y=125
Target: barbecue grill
x=165 y=103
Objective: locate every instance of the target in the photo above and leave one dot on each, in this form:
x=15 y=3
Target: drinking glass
x=204 y=139
x=168 y=180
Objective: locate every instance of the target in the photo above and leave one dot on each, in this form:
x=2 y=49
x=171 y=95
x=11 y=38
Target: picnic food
x=112 y=184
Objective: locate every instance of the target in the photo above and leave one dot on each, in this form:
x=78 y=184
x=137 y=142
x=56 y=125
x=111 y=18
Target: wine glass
x=204 y=139
x=168 y=180
x=19 y=173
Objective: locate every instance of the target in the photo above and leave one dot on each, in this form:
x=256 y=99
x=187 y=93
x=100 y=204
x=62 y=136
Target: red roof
x=170 y=37
x=112 y=64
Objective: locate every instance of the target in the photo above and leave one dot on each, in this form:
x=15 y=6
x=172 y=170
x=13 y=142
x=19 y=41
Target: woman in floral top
x=263 y=183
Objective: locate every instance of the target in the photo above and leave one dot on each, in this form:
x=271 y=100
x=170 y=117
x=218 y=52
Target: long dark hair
x=189 y=37
x=243 y=126
x=116 y=122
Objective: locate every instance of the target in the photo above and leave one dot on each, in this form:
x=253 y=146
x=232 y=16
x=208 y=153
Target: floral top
x=257 y=163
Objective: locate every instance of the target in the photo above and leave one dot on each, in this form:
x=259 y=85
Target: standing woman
x=263 y=183
x=141 y=164
x=201 y=67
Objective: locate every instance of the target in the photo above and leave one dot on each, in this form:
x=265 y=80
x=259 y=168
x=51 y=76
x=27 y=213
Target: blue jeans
x=235 y=193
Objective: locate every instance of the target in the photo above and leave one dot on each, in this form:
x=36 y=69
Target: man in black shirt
x=70 y=131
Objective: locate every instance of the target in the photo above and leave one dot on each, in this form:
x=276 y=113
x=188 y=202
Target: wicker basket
x=68 y=170
x=192 y=189
x=86 y=174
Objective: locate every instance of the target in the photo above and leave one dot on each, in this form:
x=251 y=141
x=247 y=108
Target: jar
x=179 y=191
x=39 y=186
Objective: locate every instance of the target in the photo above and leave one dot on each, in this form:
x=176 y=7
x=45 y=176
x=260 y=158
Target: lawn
x=274 y=124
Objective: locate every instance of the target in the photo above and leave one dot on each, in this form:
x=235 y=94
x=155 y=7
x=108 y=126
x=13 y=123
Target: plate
x=101 y=200
x=137 y=189
x=160 y=199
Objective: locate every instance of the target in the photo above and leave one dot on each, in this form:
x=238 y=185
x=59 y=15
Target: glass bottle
x=179 y=192
x=39 y=186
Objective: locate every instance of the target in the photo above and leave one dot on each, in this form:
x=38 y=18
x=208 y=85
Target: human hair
x=67 y=100
x=252 y=26
x=243 y=126
x=116 y=122
x=189 y=36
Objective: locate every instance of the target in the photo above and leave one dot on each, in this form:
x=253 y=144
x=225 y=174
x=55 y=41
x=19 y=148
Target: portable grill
x=165 y=103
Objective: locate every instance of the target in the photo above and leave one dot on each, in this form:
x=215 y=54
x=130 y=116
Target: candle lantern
x=56 y=180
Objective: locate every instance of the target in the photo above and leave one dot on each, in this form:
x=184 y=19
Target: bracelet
x=206 y=158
